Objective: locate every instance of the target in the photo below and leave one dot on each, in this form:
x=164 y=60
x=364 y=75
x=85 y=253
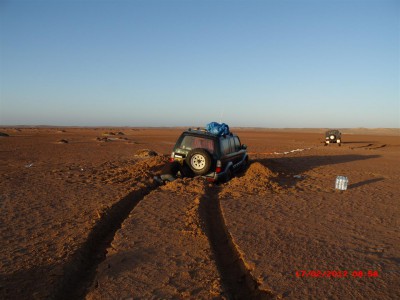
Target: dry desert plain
x=80 y=218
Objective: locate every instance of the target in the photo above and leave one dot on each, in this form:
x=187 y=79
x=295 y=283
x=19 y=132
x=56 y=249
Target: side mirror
x=244 y=147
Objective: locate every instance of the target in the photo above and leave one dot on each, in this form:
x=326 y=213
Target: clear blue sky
x=183 y=63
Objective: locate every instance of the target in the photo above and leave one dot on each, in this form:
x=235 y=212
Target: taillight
x=172 y=158
x=218 y=169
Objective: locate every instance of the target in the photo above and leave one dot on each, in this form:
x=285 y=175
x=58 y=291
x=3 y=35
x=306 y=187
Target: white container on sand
x=341 y=183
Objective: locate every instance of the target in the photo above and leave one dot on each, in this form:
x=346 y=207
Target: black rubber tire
x=199 y=161
x=229 y=175
x=245 y=164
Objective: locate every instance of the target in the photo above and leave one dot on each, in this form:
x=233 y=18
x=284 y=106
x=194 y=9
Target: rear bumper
x=212 y=176
x=223 y=175
x=338 y=141
x=215 y=177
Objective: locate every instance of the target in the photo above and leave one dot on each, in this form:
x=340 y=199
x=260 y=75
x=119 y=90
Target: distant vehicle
x=333 y=136
x=216 y=157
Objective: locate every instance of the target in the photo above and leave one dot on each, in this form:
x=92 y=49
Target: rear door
x=231 y=150
x=237 y=150
x=226 y=151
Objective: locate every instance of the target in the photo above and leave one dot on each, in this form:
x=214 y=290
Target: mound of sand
x=113 y=133
x=132 y=173
x=183 y=185
x=146 y=153
x=257 y=179
x=108 y=133
x=258 y=170
x=102 y=139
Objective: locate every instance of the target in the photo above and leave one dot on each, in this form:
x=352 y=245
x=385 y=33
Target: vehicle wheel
x=228 y=176
x=245 y=164
x=199 y=161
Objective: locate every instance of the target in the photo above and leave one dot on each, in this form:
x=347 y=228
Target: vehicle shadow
x=361 y=183
x=287 y=167
x=358 y=142
x=25 y=284
x=300 y=164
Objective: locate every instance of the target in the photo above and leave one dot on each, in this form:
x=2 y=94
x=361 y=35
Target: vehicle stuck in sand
x=333 y=136
x=216 y=157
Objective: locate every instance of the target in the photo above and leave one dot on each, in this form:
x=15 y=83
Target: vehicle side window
x=232 y=142
x=237 y=143
x=226 y=147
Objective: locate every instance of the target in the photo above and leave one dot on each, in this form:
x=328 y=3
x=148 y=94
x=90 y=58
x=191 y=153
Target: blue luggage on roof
x=217 y=129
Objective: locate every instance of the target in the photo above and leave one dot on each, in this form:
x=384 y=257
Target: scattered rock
x=146 y=153
x=3 y=134
x=109 y=139
x=113 y=133
x=108 y=133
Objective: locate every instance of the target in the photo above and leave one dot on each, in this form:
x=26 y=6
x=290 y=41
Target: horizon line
x=180 y=126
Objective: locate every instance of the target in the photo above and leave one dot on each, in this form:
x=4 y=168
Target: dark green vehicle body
x=215 y=157
x=333 y=136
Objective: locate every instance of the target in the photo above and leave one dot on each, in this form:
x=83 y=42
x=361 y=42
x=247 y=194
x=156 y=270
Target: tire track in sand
x=236 y=277
x=80 y=270
x=162 y=250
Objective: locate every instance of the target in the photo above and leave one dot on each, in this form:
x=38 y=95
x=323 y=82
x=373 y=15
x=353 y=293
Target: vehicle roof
x=333 y=131
x=203 y=132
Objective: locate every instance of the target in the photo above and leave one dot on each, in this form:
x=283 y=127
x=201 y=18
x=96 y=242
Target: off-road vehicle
x=333 y=136
x=215 y=157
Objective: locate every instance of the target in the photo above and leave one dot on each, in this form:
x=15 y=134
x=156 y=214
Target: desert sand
x=81 y=217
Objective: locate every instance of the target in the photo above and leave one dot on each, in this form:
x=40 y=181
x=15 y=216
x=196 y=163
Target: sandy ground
x=81 y=218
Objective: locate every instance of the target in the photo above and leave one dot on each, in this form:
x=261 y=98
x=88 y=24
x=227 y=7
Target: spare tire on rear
x=199 y=161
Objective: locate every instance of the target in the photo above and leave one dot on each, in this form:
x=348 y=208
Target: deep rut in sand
x=235 y=276
x=80 y=270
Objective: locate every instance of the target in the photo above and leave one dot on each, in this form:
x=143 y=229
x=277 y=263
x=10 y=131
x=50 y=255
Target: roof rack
x=204 y=131
x=198 y=129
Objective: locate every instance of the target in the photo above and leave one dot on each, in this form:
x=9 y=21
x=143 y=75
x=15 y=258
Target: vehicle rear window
x=191 y=142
